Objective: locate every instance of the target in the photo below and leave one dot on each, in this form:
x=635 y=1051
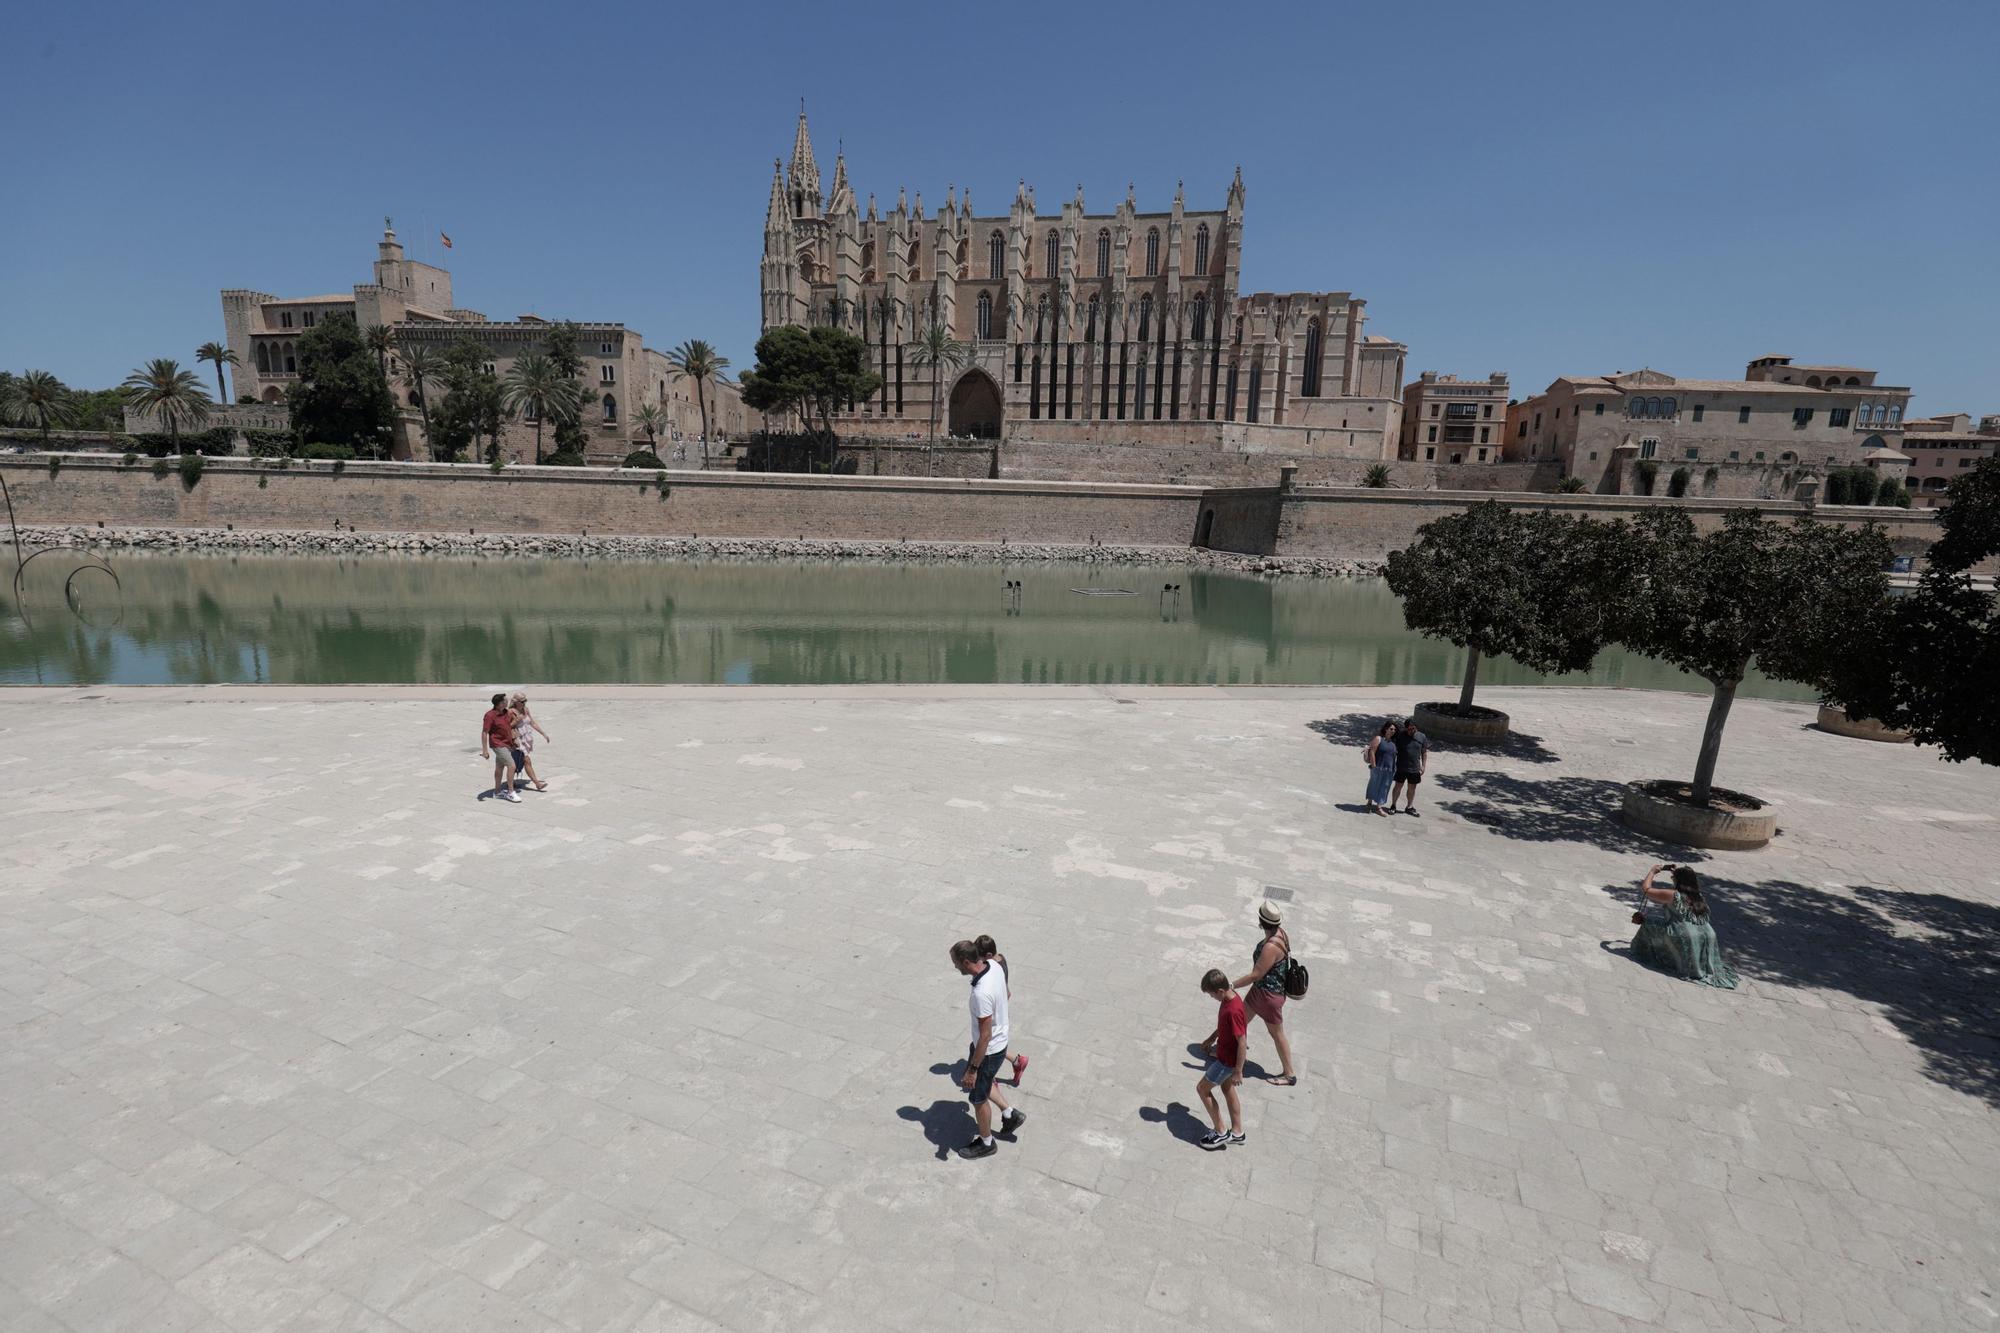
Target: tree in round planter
x=1919 y=664
x=1783 y=595
x=1498 y=582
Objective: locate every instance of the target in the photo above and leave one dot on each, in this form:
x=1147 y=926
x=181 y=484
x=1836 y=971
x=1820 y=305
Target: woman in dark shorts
x=1266 y=981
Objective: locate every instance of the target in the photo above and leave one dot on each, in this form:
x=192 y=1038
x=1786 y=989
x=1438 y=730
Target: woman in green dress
x=1679 y=938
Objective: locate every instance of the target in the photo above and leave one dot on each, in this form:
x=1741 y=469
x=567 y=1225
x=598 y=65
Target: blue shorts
x=989 y=1068
x=520 y=759
x=1218 y=1073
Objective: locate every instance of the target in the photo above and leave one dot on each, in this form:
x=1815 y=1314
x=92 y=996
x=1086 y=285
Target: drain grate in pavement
x=1277 y=893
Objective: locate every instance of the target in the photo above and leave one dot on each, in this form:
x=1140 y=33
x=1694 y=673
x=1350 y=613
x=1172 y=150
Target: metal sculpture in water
x=87 y=562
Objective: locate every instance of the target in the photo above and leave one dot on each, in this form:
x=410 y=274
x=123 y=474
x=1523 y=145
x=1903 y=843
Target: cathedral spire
x=805 y=171
x=1236 y=188
x=778 y=209
x=841 y=198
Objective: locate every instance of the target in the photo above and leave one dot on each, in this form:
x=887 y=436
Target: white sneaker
x=511 y=795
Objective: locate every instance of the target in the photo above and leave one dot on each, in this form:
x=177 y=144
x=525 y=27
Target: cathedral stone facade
x=1120 y=327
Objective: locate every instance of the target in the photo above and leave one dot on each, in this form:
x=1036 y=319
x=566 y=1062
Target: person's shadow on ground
x=948 y=1125
x=1198 y=1060
x=1180 y=1121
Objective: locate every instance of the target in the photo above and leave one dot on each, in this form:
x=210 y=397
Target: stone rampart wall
x=1324 y=522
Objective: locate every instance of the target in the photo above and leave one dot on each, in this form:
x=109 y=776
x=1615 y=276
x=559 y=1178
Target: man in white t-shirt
x=988 y=1007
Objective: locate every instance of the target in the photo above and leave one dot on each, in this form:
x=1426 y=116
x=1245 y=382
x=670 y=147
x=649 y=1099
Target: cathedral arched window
x=1201 y=250
x=1310 y=388
x=291 y=363
x=1200 y=316
x=1090 y=328
x=1103 y=252
x=263 y=359
x=610 y=409
x=1054 y=249
x=1153 y=252
x=985 y=325
x=1145 y=316
x=1041 y=317
x=996 y=257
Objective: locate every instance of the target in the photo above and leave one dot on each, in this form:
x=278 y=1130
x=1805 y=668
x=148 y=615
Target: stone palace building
x=1120 y=327
x=1782 y=418
x=414 y=299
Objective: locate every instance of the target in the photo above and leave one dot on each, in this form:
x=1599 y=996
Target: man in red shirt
x=1224 y=1050
x=496 y=737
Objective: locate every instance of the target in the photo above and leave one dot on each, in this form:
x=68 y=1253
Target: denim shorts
x=989 y=1069
x=1218 y=1073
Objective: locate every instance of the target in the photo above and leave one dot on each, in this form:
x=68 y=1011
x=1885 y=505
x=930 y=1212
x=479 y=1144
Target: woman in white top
x=525 y=728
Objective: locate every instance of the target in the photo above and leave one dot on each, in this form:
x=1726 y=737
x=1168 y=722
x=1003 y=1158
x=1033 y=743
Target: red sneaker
x=1020 y=1066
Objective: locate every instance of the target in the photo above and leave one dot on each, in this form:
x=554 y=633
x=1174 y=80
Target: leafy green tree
x=173 y=395
x=342 y=393
x=1893 y=494
x=474 y=401
x=537 y=389
x=697 y=361
x=221 y=356
x=1925 y=663
x=1781 y=595
x=1837 y=489
x=1863 y=484
x=562 y=348
x=812 y=372
x=420 y=366
x=944 y=354
x=40 y=400
x=652 y=419
x=1538 y=587
x=1677 y=484
x=381 y=340
x=97 y=410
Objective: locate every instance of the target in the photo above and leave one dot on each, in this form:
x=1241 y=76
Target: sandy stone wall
x=1355 y=524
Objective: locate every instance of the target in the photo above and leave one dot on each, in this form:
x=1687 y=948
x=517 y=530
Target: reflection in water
x=248 y=618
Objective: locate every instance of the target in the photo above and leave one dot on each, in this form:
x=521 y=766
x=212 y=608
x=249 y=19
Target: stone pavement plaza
x=301 y=1035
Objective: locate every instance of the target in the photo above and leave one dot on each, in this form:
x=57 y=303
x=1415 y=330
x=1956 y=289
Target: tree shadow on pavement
x=1180 y=1121
x=1929 y=962
x=1356 y=729
x=1553 y=810
x=946 y=1124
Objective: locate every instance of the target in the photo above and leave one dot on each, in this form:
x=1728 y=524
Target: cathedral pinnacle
x=805 y=171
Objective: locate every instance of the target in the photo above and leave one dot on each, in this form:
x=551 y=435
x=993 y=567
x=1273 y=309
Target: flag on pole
x=446 y=239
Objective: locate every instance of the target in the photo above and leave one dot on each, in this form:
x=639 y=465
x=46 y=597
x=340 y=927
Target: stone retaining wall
x=403 y=498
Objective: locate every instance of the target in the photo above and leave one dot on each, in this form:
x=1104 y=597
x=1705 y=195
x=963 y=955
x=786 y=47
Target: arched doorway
x=975 y=406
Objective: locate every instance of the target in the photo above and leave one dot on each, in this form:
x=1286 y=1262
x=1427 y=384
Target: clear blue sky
x=1537 y=189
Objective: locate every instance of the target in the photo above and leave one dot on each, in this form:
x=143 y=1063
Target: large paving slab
x=301 y=1034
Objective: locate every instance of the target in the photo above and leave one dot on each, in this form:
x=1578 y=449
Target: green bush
x=1649 y=471
x=1862 y=484
x=1571 y=484
x=1709 y=475
x=246 y=400
x=642 y=458
x=161 y=467
x=1677 y=485
x=263 y=481
x=1376 y=477
x=219 y=442
x=1893 y=494
x=129 y=459
x=1836 y=490
x=55 y=464
x=565 y=458
x=269 y=443
x=340 y=453
x=191 y=465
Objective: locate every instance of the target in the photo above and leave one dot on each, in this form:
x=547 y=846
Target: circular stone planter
x=1731 y=821
x=1446 y=722
x=1836 y=721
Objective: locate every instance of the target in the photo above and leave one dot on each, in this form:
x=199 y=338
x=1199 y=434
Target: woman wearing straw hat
x=1269 y=961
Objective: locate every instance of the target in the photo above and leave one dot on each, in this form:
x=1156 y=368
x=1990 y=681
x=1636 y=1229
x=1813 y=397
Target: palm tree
x=418 y=366
x=173 y=395
x=381 y=340
x=698 y=361
x=652 y=419
x=222 y=356
x=39 y=399
x=937 y=349
x=536 y=387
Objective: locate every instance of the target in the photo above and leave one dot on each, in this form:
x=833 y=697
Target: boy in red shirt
x=1224 y=1050
x=496 y=735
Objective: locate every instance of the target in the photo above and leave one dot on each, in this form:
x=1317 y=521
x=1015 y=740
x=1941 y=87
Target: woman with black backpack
x=1271 y=963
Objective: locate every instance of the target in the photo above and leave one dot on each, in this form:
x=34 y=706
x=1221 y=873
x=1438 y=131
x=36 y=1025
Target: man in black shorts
x=988 y=1008
x=1413 y=752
